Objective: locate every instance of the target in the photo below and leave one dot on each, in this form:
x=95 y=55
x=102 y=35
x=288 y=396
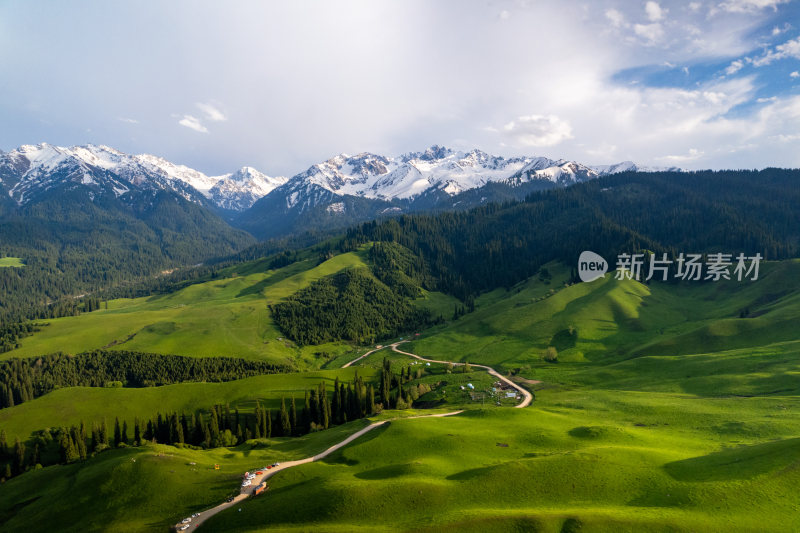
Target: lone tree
x=550 y=355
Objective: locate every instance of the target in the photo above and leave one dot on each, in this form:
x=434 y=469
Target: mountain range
x=331 y=194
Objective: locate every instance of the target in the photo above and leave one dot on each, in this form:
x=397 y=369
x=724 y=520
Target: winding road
x=246 y=491
x=527 y=396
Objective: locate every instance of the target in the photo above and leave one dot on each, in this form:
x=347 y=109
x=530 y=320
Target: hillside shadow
x=743 y=462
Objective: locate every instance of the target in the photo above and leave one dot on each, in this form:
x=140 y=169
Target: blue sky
x=282 y=85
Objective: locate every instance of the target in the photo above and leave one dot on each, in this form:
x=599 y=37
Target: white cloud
x=734 y=67
x=654 y=11
x=193 y=123
x=617 y=19
x=538 y=130
x=505 y=14
x=212 y=113
x=777 y=30
x=692 y=155
x=651 y=32
x=750 y=6
x=795 y=74
x=477 y=70
x=128 y=120
x=782 y=51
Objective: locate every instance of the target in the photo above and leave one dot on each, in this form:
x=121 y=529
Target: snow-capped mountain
x=31 y=170
x=346 y=189
x=343 y=190
x=435 y=169
x=240 y=190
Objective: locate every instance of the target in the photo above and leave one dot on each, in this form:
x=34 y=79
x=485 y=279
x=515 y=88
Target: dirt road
x=246 y=491
x=527 y=397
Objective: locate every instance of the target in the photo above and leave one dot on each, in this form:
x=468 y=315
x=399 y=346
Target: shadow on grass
x=743 y=462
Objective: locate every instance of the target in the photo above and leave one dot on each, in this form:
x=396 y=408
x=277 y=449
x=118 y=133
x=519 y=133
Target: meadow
x=607 y=461
x=69 y=406
x=221 y=317
x=671 y=407
x=144 y=488
x=11 y=262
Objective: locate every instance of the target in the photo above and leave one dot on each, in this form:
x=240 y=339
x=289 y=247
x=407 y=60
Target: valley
x=632 y=417
x=400 y=267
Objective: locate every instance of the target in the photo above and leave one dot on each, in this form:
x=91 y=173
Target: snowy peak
x=187 y=175
x=436 y=172
x=240 y=190
x=31 y=170
x=415 y=173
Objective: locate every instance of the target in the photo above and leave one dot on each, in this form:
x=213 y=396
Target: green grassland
x=616 y=461
x=70 y=406
x=668 y=410
x=227 y=316
x=144 y=489
x=11 y=262
x=223 y=317
x=627 y=322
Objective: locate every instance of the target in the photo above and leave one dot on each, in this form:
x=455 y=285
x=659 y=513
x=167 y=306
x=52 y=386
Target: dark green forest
x=22 y=380
x=72 y=246
x=498 y=245
x=350 y=305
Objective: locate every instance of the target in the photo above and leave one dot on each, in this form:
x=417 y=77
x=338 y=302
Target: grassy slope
x=618 y=461
x=71 y=405
x=631 y=332
x=143 y=489
x=227 y=317
x=637 y=428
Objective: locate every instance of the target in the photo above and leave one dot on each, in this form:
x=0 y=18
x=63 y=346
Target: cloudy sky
x=282 y=85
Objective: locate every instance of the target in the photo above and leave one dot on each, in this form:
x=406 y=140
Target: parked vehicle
x=261 y=487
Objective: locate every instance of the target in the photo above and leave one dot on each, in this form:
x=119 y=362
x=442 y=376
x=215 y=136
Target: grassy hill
x=671 y=407
x=226 y=316
x=144 y=489
x=613 y=461
x=623 y=333
x=70 y=406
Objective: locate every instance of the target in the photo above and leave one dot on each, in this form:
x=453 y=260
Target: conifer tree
x=117 y=432
x=258 y=415
x=286 y=425
x=293 y=417
x=104 y=433
x=370 y=400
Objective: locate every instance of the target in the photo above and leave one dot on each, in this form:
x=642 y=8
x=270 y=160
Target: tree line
x=22 y=380
x=498 y=245
x=220 y=426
